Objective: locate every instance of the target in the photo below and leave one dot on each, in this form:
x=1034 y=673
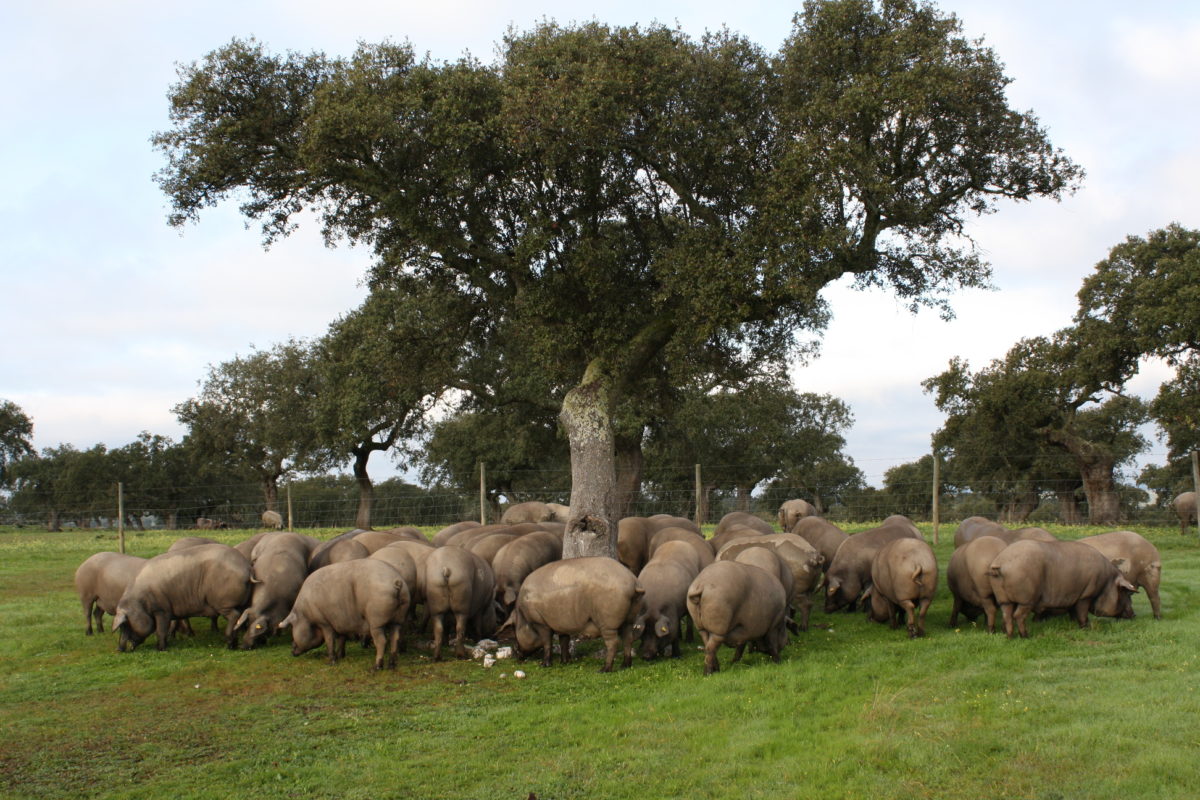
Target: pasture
x=855 y=710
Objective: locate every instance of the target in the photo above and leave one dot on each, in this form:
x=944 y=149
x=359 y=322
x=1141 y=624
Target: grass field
x=855 y=710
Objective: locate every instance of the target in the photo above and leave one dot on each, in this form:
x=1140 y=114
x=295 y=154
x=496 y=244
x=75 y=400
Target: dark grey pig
x=101 y=580
x=733 y=603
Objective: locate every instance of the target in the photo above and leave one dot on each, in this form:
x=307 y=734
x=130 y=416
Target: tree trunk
x=587 y=418
x=629 y=474
x=52 y=524
x=1104 y=502
x=270 y=484
x=1096 y=468
x=366 y=490
x=173 y=520
x=1068 y=507
x=1019 y=508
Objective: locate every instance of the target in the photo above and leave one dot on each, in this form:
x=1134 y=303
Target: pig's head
x=1117 y=598
x=841 y=591
x=134 y=625
x=305 y=635
x=659 y=631
x=876 y=605
x=527 y=638
x=257 y=627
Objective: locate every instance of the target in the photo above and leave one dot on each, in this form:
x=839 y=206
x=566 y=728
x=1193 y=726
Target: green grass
x=855 y=710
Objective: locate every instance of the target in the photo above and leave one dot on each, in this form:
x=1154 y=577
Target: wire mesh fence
x=334 y=501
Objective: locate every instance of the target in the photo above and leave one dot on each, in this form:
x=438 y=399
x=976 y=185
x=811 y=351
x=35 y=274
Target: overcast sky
x=111 y=317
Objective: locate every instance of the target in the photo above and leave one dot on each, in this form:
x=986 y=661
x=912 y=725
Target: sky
x=111 y=317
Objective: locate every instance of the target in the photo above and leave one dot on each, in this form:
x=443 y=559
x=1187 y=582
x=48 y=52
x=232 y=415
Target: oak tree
x=603 y=198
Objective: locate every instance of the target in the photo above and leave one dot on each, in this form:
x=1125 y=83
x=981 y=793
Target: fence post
x=1196 y=485
x=289 y=504
x=937 y=495
x=699 y=498
x=120 y=517
x=482 y=493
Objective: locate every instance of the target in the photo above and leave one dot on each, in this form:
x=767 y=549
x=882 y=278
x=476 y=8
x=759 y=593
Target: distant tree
x=1046 y=392
x=1144 y=298
x=742 y=437
x=600 y=197
x=524 y=456
x=64 y=483
x=256 y=413
x=379 y=369
x=16 y=432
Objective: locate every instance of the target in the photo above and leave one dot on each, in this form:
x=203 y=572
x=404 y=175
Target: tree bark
x=1019 y=508
x=366 y=490
x=270 y=484
x=1096 y=468
x=587 y=418
x=629 y=463
x=743 y=498
x=1068 y=507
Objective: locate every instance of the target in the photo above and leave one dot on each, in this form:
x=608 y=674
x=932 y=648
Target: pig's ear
x=1122 y=564
x=508 y=623
x=286 y=622
x=242 y=620
x=832 y=585
x=1124 y=584
x=119 y=620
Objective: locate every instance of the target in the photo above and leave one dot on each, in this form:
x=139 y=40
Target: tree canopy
x=16 y=432
x=604 y=201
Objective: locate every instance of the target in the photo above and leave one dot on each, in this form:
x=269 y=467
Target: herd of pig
x=747 y=585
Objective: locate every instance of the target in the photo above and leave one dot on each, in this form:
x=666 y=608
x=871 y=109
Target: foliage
x=760 y=430
x=16 y=431
x=524 y=457
x=959 y=714
x=1006 y=420
x=604 y=201
x=256 y=413
x=1144 y=298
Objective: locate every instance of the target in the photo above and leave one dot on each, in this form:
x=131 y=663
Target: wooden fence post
x=937 y=495
x=1196 y=485
x=482 y=493
x=289 y=504
x=120 y=517
x=699 y=498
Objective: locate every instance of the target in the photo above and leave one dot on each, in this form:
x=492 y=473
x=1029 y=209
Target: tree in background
x=524 y=456
x=16 y=433
x=602 y=197
x=379 y=369
x=1047 y=393
x=256 y=413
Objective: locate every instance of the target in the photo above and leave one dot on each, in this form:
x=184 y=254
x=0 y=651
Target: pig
x=974 y=527
x=851 y=568
x=634 y=535
x=792 y=511
x=487 y=547
x=823 y=535
x=665 y=581
x=185 y=542
x=320 y=555
x=373 y=540
x=1184 y=506
x=461 y=584
x=278 y=568
x=967 y=577
x=584 y=597
x=272 y=520
x=733 y=603
x=1030 y=576
x=246 y=548
x=445 y=533
x=802 y=561
x=686 y=553
x=660 y=521
x=515 y=560
x=408 y=532
x=1143 y=565
x=101 y=580
x=205 y=580
x=532 y=511
x=698 y=543
x=358 y=598
x=903 y=579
